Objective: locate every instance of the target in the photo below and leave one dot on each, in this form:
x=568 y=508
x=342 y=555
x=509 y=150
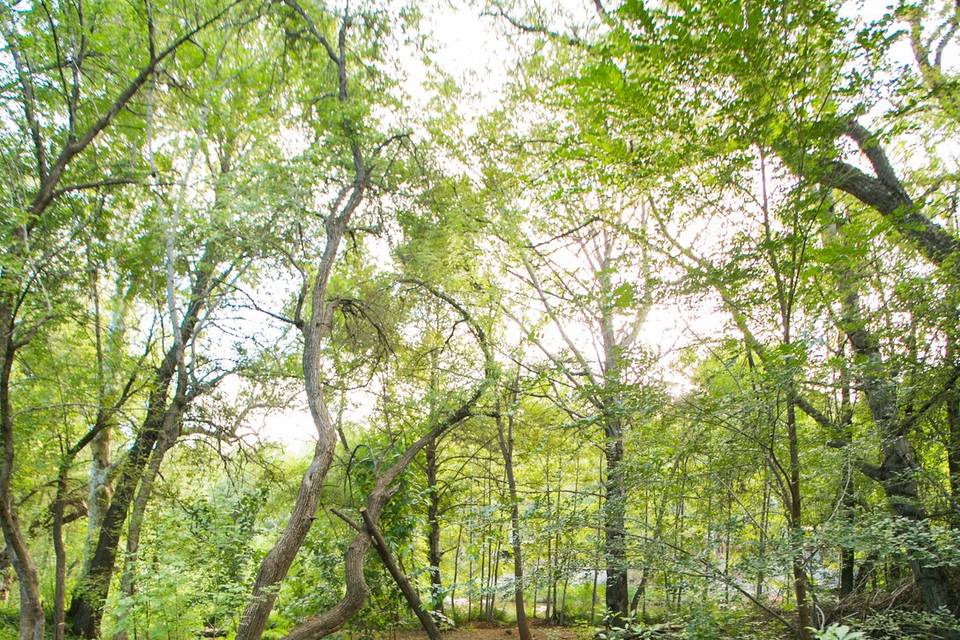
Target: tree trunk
x=762 y=534
x=456 y=567
x=639 y=593
x=316 y=328
x=494 y=576
x=506 y=449
x=413 y=599
x=356 y=587
x=557 y=559
x=276 y=564
x=32 y=621
x=898 y=468
x=599 y=552
x=484 y=555
x=60 y=555
x=615 y=525
x=434 y=554
x=99 y=491
x=90 y=593
x=804 y=610
x=470 y=577
x=536 y=583
x=168 y=438
x=726 y=550
x=952 y=400
x=547 y=611
x=847 y=554
x=6 y=578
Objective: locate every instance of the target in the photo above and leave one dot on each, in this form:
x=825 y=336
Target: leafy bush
x=839 y=632
x=893 y=625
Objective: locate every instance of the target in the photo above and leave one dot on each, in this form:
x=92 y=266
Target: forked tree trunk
x=277 y=562
x=356 y=587
x=90 y=594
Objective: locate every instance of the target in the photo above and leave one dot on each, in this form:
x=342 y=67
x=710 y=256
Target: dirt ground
x=488 y=632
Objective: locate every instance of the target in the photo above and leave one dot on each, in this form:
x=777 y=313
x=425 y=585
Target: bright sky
x=478 y=51
x=470 y=48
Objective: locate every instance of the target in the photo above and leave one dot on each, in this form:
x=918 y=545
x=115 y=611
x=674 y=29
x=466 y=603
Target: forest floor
x=489 y=632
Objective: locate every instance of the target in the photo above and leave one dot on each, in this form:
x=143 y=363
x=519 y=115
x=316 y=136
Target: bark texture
x=898 y=469
x=277 y=562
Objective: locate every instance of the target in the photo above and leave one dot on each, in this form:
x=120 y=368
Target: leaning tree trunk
x=168 y=437
x=334 y=618
x=898 y=469
x=356 y=587
x=390 y=562
x=90 y=594
x=92 y=589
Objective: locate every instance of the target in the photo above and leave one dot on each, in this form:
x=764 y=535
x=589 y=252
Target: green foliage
x=707 y=337
x=910 y=624
x=839 y=632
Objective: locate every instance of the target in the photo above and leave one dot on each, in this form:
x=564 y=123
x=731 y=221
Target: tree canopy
x=601 y=319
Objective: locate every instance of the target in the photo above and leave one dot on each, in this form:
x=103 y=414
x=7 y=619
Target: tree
x=38 y=229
